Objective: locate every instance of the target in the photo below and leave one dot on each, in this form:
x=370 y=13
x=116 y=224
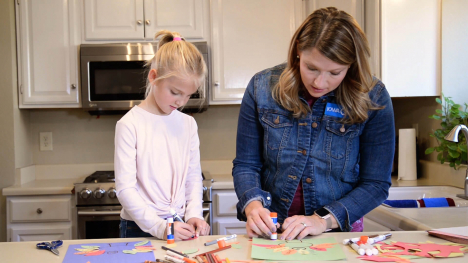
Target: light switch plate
x=45 y=141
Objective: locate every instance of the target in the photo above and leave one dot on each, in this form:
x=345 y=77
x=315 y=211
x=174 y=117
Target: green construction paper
x=236 y=246
x=141 y=243
x=334 y=253
x=191 y=251
x=129 y=251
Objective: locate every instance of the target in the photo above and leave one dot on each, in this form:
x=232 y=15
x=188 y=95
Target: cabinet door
x=40 y=232
x=183 y=16
x=247 y=37
x=410 y=46
x=226 y=227
x=47 y=54
x=114 y=20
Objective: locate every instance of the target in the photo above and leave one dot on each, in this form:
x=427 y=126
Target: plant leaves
x=439 y=111
x=462 y=147
x=453 y=154
x=435 y=117
x=438 y=100
x=429 y=150
x=452 y=147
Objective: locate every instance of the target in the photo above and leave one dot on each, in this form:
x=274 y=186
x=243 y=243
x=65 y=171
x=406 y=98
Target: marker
x=173 y=259
x=168 y=249
x=377 y=238
x=223 y=238
x=175 y=255
x=356 y=248
x=274 y=218
x=176 y=216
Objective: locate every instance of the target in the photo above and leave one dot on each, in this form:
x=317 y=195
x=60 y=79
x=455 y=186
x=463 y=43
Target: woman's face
x=319 y=74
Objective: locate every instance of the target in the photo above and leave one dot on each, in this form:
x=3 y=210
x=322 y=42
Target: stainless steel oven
x=98 y=209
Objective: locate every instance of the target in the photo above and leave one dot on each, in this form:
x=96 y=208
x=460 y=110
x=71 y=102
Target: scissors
x=51 y=246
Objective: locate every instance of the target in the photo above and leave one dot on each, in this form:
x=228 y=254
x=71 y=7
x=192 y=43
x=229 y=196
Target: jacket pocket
x=339 y=138
x=277 y=128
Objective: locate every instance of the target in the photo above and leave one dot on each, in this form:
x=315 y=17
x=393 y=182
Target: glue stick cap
x=273 y=214
x=170 y=220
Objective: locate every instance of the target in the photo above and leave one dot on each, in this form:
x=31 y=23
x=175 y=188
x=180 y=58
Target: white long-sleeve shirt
x=157 y=167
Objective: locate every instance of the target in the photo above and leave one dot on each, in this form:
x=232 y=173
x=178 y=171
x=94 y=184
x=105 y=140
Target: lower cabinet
x=225 y=220
x=39 y=218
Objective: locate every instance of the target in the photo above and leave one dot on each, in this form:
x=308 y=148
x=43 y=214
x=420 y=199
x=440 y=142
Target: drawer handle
x=39 y=211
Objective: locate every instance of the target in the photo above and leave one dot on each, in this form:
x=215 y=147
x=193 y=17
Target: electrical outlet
x=45 y=141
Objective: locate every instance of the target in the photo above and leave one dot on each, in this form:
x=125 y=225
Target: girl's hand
x=183 y=231
x=201 y=227
x=301 y=226
x=259 y=222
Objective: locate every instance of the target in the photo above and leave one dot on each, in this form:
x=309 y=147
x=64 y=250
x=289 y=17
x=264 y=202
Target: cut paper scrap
x=385 y=259
x=236 y=246
x=288 y=250
x=108 y=252
x=232 y=243
x=322 y=247
x=191 y=251
x=423 y=250
x=141 y=243
x=171 y=245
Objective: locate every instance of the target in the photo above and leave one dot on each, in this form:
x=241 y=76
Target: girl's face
x=319 y=74
x=172 y=93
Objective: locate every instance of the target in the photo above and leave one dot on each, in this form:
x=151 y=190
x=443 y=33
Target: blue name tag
x=334 y=110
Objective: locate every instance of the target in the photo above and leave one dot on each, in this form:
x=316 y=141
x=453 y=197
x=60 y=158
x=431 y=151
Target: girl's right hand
x=259 y=222
x=183 y=231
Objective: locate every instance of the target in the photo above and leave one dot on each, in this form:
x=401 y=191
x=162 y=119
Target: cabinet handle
x=148 y=22
x=73 y=86
x=216 y=83
x=39 y=211
x=139 y=22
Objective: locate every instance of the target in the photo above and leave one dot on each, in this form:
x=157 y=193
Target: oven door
x=98 y=222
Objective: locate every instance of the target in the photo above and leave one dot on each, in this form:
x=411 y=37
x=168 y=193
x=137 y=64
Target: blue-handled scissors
x=51 y=246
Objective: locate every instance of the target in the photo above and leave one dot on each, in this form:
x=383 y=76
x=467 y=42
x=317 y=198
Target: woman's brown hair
x=337 y=36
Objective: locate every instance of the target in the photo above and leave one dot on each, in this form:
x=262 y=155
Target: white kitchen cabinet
x=247 y=37
x=225 y=220
x=47 y=54
x=405 y=39
x=36 y=218
x=141 y=19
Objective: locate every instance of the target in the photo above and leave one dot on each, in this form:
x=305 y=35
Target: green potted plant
x=450 y=115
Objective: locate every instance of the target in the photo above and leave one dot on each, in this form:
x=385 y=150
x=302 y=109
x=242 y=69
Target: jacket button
x=314 y=125
x=308 y=180
x=277 y=120
x=304 y=152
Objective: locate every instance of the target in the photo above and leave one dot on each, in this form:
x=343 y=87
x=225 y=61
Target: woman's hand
x=259 y=222
x=301 y=226
x=201 y=227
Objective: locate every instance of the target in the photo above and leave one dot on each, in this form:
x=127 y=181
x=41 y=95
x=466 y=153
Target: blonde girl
x=157 y=157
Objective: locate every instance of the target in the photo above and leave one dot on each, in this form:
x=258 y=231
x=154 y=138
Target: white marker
x=356 y=248
x=379 y=238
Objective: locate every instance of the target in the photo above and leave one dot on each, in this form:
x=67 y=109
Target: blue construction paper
x=113 y=253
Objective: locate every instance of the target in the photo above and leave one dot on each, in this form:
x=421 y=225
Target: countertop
x=27 y=252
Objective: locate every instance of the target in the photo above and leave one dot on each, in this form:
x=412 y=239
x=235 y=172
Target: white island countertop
x=27 y=252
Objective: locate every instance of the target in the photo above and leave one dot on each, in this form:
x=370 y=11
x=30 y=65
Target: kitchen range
x=98 y=209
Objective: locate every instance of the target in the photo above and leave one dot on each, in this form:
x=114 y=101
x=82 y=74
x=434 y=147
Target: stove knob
x=112 y=193
x=85 y=193
x=99 y=193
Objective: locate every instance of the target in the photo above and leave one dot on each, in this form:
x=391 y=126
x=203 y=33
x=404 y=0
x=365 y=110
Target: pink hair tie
x=176 y=39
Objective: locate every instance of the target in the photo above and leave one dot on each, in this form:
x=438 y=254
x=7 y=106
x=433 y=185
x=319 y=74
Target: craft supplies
x=223 y=238
x=356 y=248
x=221 y=243
x=170 y=230
x=377 y=238
x=173 y=259
x=274 y=218
x=168 y=249
x=176 y=216
x=51 y=246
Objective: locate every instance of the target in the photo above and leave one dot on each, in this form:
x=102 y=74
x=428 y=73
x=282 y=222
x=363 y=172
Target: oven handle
x=99 y=213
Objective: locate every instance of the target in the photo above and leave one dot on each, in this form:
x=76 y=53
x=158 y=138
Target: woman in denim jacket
x=316 y=136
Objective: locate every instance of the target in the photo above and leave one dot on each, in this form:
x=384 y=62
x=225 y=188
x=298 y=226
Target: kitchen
x=83 y=144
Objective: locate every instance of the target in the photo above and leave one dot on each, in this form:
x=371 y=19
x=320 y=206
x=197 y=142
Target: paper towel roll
x=407 y=154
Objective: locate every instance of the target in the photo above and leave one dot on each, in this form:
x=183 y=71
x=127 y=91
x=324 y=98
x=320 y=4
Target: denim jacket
x=344 y=168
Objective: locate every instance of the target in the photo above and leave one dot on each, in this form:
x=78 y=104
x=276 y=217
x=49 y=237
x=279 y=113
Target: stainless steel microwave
x=113 y=76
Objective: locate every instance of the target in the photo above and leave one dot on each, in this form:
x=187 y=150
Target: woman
x=316 y=136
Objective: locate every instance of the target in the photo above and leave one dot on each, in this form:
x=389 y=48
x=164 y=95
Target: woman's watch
x=324 y=214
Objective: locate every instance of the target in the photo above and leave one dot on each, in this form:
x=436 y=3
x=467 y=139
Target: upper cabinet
x=47 y=54
x=142 y=19
x=405 y=38
x=247 y=37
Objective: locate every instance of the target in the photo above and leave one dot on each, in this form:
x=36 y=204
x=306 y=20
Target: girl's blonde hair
x=177 y=57
x=337 y=36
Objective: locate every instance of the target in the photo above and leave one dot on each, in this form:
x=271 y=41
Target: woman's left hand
x=201 y=227
x=301 y=226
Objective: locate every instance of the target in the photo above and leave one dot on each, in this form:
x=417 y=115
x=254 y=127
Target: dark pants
x=131 y=229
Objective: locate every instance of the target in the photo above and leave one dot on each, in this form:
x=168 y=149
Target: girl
x=157 y=156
